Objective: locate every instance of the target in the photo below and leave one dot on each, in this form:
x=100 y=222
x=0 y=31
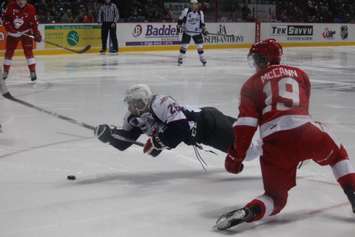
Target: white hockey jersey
x=193 y=21
x=164 y=110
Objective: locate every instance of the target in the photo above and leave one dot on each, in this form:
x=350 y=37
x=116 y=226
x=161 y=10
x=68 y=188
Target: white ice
x=130 y=194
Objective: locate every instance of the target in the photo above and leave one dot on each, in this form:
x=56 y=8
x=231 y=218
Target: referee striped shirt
x=108 y=13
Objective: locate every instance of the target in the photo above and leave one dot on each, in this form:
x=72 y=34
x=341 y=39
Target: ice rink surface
x=130 y=194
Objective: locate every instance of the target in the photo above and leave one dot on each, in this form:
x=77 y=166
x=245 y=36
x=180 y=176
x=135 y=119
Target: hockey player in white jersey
x=192 y=24
x=168 y=124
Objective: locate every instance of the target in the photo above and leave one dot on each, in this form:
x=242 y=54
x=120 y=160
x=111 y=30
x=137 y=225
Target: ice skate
x=350 y=193
x=180 y=61
x=33 y=76
x=5 y=75
x=234 y=218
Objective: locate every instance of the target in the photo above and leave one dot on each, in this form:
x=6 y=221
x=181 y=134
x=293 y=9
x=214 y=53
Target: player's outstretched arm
x=105 y=134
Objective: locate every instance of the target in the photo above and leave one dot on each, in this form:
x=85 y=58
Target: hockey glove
x=153 y=146
x=38 y=36
x=179 y=29
x=103 y=133
x=204 y=31
x=232 y=164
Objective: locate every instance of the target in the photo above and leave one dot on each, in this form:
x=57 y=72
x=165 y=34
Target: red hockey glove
x=38 y=36
x=153 y=146
x=232 y=164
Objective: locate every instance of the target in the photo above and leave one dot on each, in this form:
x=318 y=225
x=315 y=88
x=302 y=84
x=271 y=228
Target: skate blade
x=222 y=224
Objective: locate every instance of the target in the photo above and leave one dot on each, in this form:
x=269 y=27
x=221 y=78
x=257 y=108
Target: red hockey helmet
x=266 y=52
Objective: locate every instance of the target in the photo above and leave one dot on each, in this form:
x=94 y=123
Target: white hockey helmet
x=21 y=3
x=138 y=98
x=194 y=1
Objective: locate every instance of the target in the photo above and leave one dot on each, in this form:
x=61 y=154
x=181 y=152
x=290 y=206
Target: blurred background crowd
x=85 y=11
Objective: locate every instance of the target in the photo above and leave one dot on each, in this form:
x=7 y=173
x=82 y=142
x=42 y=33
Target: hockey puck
x=71 y=177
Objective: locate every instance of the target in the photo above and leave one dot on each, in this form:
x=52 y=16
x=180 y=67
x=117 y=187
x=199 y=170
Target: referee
x=108 y=17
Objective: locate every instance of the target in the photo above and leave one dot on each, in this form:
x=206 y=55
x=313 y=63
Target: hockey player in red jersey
x=276 y=98
x=20 y=20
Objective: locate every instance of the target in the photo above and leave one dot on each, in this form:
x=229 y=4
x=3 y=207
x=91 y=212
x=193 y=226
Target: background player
x=20 y=19
x=168 y=124
x=277 y=99
x=192 y=24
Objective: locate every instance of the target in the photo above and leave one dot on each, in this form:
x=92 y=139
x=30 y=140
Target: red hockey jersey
x=18 y=21
x=276 y=99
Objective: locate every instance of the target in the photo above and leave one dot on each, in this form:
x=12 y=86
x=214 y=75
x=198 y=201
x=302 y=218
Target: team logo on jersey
x=344 y=33
x=73 y=38
x=18 y=22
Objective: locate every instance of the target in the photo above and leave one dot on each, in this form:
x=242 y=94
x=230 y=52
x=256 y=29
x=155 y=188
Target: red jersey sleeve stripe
x=246 y=121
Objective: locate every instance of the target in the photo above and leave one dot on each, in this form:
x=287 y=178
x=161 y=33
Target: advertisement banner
x=230 y=33
x=73 y=36
x=288 y=32
x=303 y=32
x=148 y=34
x=163 y=34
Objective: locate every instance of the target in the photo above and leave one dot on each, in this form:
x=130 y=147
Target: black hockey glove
x=103 y=132
x=179 y=29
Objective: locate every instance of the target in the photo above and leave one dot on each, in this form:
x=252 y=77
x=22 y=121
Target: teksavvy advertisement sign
x=292 y=32
x=298 y=32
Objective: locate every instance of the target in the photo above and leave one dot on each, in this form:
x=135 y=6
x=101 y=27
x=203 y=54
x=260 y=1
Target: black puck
x=71 y=177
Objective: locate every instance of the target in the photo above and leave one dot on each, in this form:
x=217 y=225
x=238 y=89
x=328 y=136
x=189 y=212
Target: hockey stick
x=215 y=34
x=8 y=96
x=208 y=33
x=85 y=49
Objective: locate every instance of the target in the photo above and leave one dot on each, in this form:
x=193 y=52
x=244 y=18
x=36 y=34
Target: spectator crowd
x=85 y=11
